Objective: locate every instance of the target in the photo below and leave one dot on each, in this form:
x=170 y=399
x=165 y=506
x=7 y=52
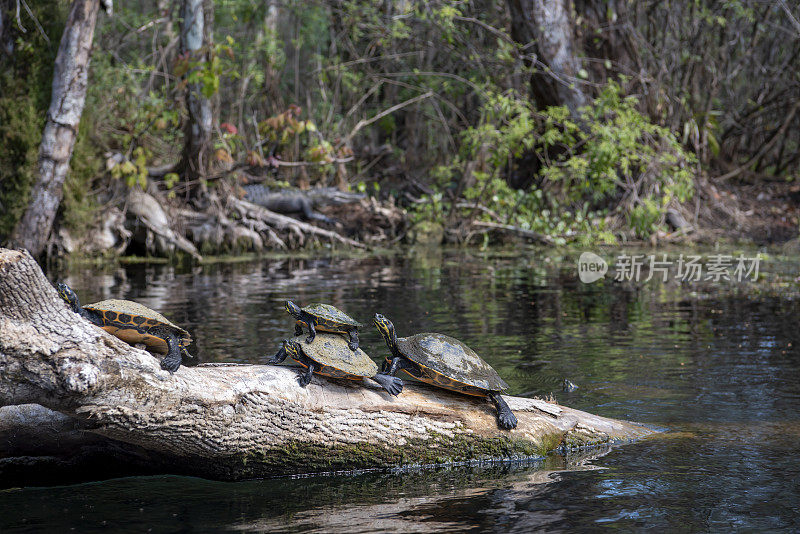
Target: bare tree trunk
x=545 y=27
x=234 y=421
x=61 y=129
x=196 y=33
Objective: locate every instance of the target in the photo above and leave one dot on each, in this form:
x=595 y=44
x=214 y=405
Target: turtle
x=445 y=362
x=329 y=355
x=325 y=318
x=135 y=323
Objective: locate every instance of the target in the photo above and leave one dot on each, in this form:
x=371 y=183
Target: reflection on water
x=400 y=501
x=718 y=369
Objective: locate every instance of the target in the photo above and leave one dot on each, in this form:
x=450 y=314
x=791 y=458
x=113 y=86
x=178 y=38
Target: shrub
x=607 y=167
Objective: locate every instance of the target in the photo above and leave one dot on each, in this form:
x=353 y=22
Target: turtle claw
x=391 y=384
x=171 y=364
x=304 y=380
x=395 y=389
x=507 y=420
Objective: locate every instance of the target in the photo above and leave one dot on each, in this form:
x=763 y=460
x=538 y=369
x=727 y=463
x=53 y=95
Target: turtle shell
x=451 y=359
x=330 y=314
x=333 y=351
x=134 y=323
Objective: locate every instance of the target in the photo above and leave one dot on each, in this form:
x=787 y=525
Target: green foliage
x=132 y=117
x=606 y=170
x=644 y=217
x=430 y=208
x=20 y=133
x=286 y=130
x=610 y=161
x=134 y=172
x=207 y=67
x=78 y=205
x=25 y=79
x=170 y=179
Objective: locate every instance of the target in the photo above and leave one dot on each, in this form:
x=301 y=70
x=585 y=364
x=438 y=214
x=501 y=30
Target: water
x=716 y=366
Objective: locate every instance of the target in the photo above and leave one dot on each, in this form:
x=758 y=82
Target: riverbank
x=159 y=229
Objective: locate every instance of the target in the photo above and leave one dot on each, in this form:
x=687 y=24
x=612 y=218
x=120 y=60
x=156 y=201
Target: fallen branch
x=479 y=207
x=366 y=122
x=231 y=421
x=160 y=171
x=528 y=234
x=150 y=213
x=284 y=222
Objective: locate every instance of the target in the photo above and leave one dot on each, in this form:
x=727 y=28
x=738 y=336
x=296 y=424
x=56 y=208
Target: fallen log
x=234 y=421
x=157 y=235
x=515 y=230
x=248 y=210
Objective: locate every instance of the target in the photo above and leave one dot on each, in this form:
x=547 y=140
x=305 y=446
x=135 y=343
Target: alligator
x=297 y=202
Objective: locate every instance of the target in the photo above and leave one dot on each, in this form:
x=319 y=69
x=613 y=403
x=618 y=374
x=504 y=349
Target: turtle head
x=293 y=309
x=386 y=328
x=292 y=348
x=69 y=296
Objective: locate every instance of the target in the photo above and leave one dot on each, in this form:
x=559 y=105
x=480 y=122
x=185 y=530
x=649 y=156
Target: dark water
x=717 y=366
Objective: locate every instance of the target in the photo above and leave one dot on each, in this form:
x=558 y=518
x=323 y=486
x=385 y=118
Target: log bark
x=234 y=421
x=39 y=446
x=61 y=129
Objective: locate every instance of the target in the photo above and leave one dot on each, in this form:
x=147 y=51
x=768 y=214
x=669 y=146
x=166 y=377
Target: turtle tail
x=392 y=384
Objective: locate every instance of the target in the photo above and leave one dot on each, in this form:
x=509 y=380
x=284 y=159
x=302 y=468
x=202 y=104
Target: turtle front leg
x=505 y=417
x=312 y=332
x=305 y=378
x=353 y=340
x=279 y=357
x=398 y=362
x=96 y=318
x=172 y=360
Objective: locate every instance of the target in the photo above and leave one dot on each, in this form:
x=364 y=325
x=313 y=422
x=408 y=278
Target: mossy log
x=233 y=421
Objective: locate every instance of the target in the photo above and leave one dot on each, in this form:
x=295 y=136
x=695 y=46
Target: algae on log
x=233 y=421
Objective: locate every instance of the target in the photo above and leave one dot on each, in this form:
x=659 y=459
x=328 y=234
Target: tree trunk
x=233 y=421
x=545 y=28
x=196 y=37
x=61 y=129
